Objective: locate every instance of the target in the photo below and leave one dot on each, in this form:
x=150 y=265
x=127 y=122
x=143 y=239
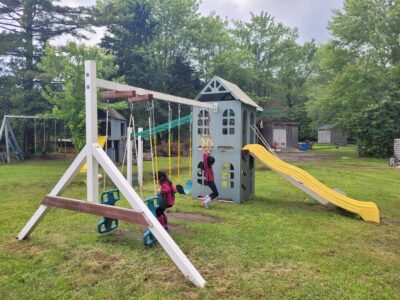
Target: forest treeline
x=352 y=81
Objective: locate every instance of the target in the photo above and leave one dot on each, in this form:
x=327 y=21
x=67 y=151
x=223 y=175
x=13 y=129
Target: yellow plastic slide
x=101 y=140
x=368 y=211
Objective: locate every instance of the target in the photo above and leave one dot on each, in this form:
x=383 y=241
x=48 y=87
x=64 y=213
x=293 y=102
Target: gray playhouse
x=229 y=129
x=116 y=133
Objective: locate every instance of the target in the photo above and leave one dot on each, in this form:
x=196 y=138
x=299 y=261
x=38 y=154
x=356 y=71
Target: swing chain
x=169 y=139
x=106 y=145
x=179 y=141
x=151 y=109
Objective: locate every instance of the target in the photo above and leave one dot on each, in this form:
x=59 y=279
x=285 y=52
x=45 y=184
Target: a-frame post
x=65 y=180
x=91 y=131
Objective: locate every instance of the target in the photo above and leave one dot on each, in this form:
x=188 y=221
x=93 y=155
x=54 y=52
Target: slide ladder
x=368 y=211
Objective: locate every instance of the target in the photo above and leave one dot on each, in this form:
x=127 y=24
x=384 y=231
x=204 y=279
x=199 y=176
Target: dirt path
x=303 y=156
x=193 y=217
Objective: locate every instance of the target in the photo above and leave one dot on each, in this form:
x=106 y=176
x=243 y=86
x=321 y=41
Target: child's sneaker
x=206 y=202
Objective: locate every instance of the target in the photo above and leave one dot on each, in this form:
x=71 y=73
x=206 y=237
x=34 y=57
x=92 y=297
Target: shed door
x=280 y=137
x=324 y=136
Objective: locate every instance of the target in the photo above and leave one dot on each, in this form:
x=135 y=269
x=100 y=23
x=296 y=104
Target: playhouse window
x=203 y=122
x=102 y=129
x=123 y=129
x=228 y=122
x=228 y=176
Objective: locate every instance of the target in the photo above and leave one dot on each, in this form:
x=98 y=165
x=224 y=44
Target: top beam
x=27 y=117
x=114 y=86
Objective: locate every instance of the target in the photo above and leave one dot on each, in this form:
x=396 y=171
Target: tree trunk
x=29 y=48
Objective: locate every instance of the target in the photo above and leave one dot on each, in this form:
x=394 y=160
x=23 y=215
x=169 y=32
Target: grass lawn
x=280 y=244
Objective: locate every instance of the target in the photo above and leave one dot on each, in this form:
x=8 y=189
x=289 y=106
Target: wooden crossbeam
x=102 y=210
x=118 y=95
x=141 y=98
x=132 y=96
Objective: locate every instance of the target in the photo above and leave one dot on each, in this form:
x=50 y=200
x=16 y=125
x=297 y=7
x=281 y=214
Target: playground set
x=222 y=110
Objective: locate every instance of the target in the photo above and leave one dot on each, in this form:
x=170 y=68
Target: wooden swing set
x=94 y=156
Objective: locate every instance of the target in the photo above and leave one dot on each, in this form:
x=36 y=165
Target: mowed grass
x=280 y=244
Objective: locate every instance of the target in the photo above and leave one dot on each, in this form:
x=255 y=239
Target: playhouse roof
x=225 y=89
x=112 y=114
x=326 y=127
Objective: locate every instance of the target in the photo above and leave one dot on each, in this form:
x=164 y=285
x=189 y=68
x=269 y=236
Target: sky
x=310 y=17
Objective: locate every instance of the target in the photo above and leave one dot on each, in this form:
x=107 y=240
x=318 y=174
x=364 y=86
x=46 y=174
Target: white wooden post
x=91 y=131
x=7 y=143
x=129 y=155
x=140 y=160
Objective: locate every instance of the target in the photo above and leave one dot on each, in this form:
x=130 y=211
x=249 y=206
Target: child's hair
x=162 y=176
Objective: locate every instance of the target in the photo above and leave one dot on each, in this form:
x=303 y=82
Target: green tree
x=63 y=73
x=130 y=31
x=267 y=63
x=210 y=38
x=26 y=26
x=268 y=41
x=151 y=41
x=357 y=86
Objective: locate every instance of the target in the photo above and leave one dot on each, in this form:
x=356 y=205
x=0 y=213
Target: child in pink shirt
x=208 y=172
x=167 y=191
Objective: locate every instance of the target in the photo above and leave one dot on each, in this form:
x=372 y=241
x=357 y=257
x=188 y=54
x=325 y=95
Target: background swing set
x=31 y=135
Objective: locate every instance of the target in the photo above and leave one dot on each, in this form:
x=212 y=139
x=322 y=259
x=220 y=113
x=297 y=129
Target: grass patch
x=280 y=244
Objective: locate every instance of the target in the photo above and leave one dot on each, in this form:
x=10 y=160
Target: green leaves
x=63 y=74
x=26 y=27
x=357 y=85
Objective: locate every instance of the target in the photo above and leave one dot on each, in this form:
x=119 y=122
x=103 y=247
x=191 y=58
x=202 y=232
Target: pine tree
x=26 y=26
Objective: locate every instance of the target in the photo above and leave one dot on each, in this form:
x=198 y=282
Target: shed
x=281 y=134
x=116 y=139
x=331 y=134
x=230 y=130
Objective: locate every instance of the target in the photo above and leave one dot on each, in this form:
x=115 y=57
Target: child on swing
x=167 y=192
x=208 y=172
